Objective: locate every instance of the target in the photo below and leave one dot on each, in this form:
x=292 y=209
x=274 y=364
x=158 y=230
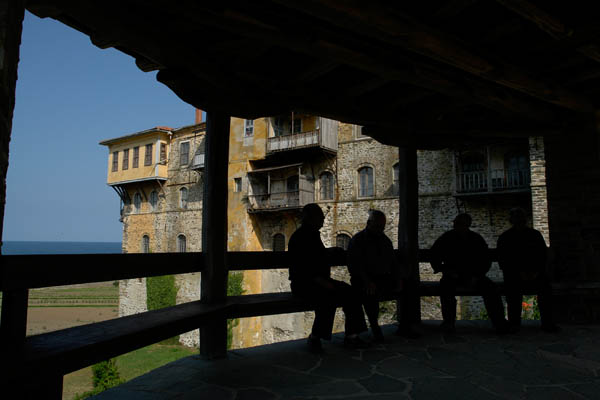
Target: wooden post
x=408 y=228
x=213 y=336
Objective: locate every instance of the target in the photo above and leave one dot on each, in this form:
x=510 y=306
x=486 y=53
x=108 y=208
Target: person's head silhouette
x=462 y=222
x=376 y=221
x=312 y=216
x=518 y=217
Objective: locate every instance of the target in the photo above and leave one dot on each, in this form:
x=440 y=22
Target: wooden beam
x=389 y=26
x=213 y=336
x=553 y=27
x=408 y=230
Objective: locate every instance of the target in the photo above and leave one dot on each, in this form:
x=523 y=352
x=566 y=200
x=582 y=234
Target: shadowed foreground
x=473 y=364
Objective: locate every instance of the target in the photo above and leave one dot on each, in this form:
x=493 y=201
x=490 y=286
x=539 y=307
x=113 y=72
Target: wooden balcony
x=294 y=141
x=494 y=181
x=279 y=201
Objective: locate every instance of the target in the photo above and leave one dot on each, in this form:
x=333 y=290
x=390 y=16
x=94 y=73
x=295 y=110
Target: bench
x=51 y=355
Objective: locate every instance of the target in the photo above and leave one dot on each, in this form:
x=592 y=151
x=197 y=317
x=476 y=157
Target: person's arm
x=436 y=254
x=484 y=261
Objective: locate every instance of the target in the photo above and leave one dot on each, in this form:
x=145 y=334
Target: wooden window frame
x=136 y=157
x=125 y=159
x=148 y=154
x=248 y=127
x=184 y=163
x=360 y=186
x=115 y=161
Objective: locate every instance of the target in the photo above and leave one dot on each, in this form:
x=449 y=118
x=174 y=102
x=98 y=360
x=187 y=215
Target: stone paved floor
x=472 y=364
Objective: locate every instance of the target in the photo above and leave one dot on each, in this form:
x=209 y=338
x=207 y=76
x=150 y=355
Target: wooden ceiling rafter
x=403 y=31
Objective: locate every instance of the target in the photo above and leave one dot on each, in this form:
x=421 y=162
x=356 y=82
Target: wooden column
x=408 y=227
x=213 y=336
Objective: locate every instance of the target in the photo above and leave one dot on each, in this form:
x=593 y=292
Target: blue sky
x=70 y=95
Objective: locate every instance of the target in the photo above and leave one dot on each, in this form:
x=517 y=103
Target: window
x=181 y=244
x=278 y=242
x=184 y=153
x=145 y=244
x=183 y=197
x=137 y=202
x=237 y=185
x=278 y=126
x=136 y=157
x=358 y=132
x=326 y=186
x=163 y=153
x=153 y=200
x=148 y=155
x=125 y=159
x=115 y=163
x=297 y=125
x=396 y=179
x=365 y=182
x=248 y=127
x=342 y=240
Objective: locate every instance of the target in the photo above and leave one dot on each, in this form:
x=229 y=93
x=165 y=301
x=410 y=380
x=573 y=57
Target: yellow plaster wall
x=141 y=171
x=241 y=233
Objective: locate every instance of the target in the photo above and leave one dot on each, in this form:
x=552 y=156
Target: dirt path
x=48 y=319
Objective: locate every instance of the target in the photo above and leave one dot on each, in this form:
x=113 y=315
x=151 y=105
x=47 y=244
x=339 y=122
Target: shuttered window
x=326 y=186
x=181 y=244
x=278 y=242
x=248 y=127
x=183 y=197
x=153 y=200
x=342 y=240
x=184 y=153
x=365 y=182
x=125 y=159
x=136 y=157
x=396 y=182
x=137 y=202
x=145 y=244
x=148 y=155
x=163 y=153
x=115 y=161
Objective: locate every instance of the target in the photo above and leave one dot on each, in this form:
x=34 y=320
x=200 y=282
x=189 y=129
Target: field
x=57 y=308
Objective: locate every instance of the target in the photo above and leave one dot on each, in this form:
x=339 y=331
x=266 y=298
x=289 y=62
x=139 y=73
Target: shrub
x=234 y=288
x=105 y=376
x=161 y=292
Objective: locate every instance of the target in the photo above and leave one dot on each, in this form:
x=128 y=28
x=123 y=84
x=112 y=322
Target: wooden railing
x=293 y=141
x=39 y=362
x=498 y=180
x=279 y=200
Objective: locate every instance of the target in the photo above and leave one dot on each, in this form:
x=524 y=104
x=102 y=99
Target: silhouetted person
x=463 y=258
x=522 y=255
x=310 y=279
x=375 y=272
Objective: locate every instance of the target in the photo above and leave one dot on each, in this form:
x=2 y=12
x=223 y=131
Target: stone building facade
x=276 y=165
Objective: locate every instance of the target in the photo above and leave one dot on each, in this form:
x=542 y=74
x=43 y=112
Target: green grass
x=144 y=360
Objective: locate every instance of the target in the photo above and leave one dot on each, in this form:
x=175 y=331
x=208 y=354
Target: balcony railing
x=500 y=180
x=293 y=141
x=279 y=200
x=198 y=161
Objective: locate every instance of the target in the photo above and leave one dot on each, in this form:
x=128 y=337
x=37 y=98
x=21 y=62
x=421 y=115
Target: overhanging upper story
x=138 y=157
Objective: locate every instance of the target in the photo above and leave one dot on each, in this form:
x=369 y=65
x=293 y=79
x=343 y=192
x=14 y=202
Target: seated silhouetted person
x=375 y=272
x=310 y=279
x=522 y=255
x=463 y=258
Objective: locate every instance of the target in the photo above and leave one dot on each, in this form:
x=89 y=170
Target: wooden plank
x=213 y=337
x=74 y=348
x=13 y=325
x=37 y=271
x=403 y=31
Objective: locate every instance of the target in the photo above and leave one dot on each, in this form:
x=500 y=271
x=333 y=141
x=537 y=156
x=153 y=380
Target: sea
x=26 y=247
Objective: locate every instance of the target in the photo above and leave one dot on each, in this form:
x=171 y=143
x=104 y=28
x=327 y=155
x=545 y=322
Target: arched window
x=326 y=186
x=145 y=244
x=365 y=182
x=181 y=244
x=153 y=200
x=137 y=202
x=396 y=179
x=342 y=240
x=183 y=197
x=278 y=242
